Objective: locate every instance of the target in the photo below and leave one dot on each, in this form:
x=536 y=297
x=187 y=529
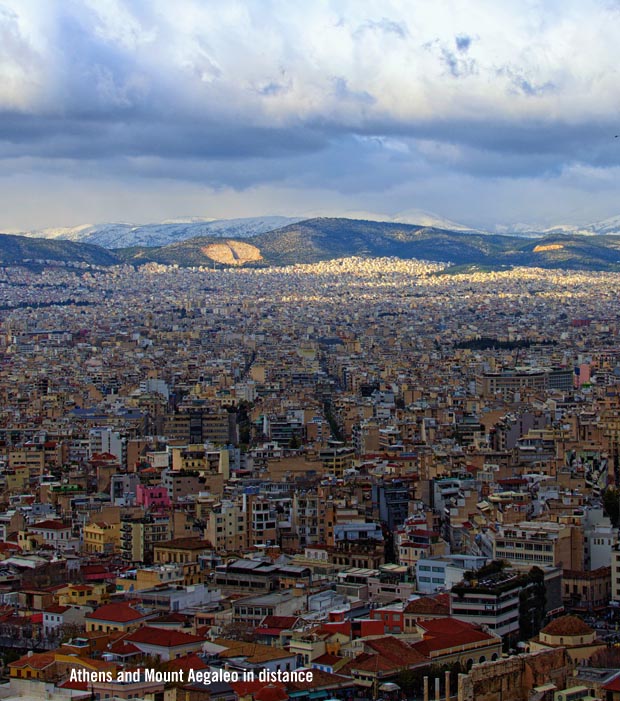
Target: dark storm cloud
x=92 y=138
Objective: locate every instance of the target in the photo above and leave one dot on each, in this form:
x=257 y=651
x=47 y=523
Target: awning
x=545 y=687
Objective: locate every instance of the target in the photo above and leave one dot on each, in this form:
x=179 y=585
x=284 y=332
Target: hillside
x=25 y=250
x=322 y=239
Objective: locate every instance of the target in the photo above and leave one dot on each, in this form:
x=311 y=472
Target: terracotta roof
x=76 y=686
x=6 y=547
x=567 y=625
x=444 y=633
x=50 y=525
x=116 y=613
x=271 y=692
x=107 y=457
x=395 y=650
x=187 y=662
x=427 y=606
x=122 y=647
x=255 y=653
x=56 y=609
x=281 y=622
x=248 y=688
x=162 y=637
x=613 y=684
x=36 y=660
x=387 y=655
x=327 y=660
x=373 y=663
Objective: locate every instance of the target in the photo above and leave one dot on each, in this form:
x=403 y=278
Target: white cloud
x=329 y=96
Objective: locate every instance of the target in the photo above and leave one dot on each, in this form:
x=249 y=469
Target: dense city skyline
x=491 y=115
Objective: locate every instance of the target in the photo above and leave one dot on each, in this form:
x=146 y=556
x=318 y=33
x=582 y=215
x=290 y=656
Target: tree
x=532 y=600
x=611 y=504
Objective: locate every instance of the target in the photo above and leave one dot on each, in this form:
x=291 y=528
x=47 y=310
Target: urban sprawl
x=359 y=479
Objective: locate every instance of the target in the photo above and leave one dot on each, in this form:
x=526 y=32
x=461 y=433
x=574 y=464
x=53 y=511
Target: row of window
x=434 y=580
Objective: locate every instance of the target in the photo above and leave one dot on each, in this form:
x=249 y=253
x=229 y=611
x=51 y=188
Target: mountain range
x=325 y=238
x=125 y=235
x=121 y=235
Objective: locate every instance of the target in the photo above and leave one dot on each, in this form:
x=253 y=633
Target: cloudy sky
x=493 y=114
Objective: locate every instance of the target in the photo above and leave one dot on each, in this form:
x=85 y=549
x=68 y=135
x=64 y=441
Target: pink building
x=582 y=374
x=154 y=498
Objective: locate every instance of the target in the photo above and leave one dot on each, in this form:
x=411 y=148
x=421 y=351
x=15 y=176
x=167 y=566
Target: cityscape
x=309 y=350
x=361 y=478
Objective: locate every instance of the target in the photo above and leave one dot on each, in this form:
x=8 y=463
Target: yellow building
x=150 y=577
x=103 y=538
x=17 y=480
x=212 y=461
x=185 y=553
x=225 y=525
x=337 y=459
x=81 y=594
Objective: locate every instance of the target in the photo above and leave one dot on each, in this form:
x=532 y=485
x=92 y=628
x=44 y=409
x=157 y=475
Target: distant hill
x=569 y=251
x=19 y=250
x=321 y=239
x=315 y=240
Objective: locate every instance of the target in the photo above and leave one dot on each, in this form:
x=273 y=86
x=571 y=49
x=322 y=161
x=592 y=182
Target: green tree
x=611 y=504
x=532 y=600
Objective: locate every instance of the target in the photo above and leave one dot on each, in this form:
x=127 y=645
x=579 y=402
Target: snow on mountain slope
x=610 y=226
x=122 y=235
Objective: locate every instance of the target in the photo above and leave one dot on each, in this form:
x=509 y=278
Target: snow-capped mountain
x=417 y=217
x=122 y=235
x=421 y=217
x=600 y=228
x=610 y=226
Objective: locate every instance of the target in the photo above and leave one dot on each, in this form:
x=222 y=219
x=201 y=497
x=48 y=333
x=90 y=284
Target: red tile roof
x=56 y=608
x=567 y=625
x=116 y=613
x=107 y=457
x=281 y=622
x=122 y=647
x=76 y=686
x=9 y=547
x=395 y=650
x=271 y=692
x=162 y=637
x=612 y=685
x=50 y=525
x=427 y=606
x=443 y=633
x=36 y=660
x=187 y=662
x=248 y=688
x=327 y=660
